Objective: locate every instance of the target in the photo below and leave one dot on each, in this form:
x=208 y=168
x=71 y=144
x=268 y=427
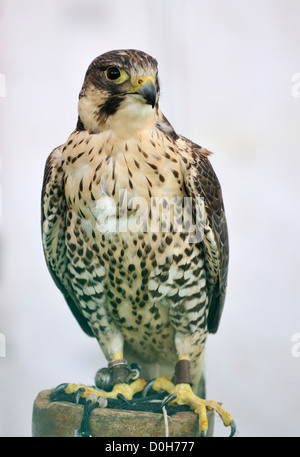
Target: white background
x=226 y=69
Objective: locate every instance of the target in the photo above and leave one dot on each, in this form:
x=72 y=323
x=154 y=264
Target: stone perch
x=63 y=419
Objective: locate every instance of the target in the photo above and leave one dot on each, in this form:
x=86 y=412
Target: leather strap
x=182 y=372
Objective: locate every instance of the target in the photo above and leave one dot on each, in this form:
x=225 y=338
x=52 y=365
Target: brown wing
x=54 y=229
x=201 y=180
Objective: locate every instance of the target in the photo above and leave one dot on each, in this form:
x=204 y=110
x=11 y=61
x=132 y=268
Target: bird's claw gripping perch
x=78 y=394
x=119 y=379
x=168 y=399
x=182 y=394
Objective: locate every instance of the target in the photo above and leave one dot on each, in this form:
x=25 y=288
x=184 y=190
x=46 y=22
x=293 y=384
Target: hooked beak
x=145 y=90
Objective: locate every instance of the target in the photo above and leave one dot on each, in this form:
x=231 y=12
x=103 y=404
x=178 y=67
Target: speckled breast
x=131 y=262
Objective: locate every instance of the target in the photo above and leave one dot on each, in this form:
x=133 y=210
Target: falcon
x=134 y=234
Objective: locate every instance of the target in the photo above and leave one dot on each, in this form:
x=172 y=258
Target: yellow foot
x=92 y=397
x=77 y=391
x=185 y=396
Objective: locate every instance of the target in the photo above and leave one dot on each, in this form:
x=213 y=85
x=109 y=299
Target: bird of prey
x=140 y=261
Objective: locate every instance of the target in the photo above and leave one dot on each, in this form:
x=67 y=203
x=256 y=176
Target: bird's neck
x=127 y=122
x=131 y=121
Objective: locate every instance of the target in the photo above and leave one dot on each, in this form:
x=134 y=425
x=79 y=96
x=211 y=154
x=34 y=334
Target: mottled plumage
x=151 y=296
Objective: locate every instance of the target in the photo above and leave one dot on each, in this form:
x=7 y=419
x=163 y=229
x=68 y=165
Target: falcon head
x=120 y=91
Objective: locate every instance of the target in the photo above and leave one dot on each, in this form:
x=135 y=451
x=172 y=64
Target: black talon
x=233 y=429
x=203 y=433
x=122 y=398
x=59 y=393
x=148 y=387
x=78 y=394
x=168 y=399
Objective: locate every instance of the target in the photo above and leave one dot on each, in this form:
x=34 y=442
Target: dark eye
x=113 y=73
